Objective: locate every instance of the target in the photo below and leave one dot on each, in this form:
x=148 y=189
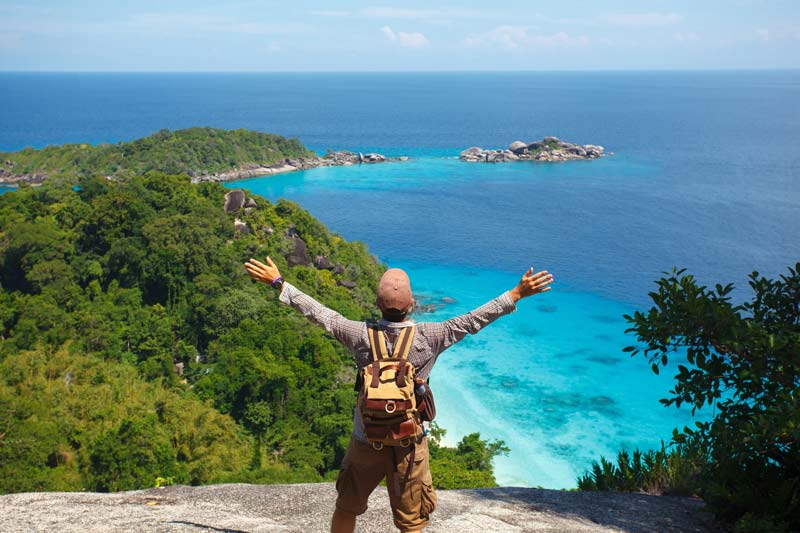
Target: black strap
x=401 y=485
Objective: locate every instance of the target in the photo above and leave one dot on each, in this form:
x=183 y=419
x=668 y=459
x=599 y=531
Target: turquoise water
x=550 y=380
x=705 y=177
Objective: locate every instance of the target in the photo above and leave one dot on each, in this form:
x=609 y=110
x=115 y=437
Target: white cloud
x=565 y=21
x=397 y=13
x=434 y=16
x=407 y=40
x=776 y=35
x=514 y=37
x=763 y=35
x=173 y=23
x=389 y=33
x=331 y=13
x=642 y=20
x=686 y=37
x=504 y=36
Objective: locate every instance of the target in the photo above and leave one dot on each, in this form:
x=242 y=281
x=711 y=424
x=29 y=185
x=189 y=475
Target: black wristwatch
x=278 y=283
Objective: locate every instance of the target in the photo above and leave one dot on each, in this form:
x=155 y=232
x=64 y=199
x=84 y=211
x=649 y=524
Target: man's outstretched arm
x=345 y=331
x=457 y=328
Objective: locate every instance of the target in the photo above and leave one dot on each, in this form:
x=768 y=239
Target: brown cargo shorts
x=364 y=467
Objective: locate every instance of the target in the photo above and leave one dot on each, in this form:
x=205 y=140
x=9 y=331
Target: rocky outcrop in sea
x=331 y=159
x=548 y=149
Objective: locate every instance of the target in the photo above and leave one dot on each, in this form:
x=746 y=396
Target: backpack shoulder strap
x=377 y=342
x=403 y=344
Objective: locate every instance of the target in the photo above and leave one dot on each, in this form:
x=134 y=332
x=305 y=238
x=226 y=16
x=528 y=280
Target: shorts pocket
x=428 y=499
x=348 y=499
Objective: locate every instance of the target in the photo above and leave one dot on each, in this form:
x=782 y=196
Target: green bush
x=675 y=471
x=745 y=361
x=468 y=465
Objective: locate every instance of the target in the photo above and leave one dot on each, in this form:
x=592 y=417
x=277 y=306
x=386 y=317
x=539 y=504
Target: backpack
x=386 y=396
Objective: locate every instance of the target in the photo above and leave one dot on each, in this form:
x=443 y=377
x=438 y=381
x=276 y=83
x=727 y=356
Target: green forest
x=135 y=351
x=190 y=151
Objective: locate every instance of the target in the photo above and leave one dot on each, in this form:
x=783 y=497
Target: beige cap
x=394 y=291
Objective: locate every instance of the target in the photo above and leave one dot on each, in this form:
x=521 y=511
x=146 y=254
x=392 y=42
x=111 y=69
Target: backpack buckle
x=392 y=404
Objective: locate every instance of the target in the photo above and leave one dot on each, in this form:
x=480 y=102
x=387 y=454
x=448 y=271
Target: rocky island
x=548 y=149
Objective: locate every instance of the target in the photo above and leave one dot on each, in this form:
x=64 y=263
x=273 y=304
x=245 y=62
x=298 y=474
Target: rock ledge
x=308 y=507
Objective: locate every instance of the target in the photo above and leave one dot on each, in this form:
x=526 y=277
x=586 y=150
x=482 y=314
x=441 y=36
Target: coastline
x=332 y=159
x=245 y=171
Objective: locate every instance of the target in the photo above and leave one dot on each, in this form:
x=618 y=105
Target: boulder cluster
x=9 y=177
x=349 y=158
x=548 y=149
x=297 y=253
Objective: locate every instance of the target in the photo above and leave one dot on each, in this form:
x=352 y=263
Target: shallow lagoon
x=551 y=379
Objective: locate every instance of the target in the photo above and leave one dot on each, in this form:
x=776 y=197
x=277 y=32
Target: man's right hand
x=531 y=284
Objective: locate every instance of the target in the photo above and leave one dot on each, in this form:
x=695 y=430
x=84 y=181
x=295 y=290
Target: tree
x=745 y=361
x=132 y=456
x=468 y=465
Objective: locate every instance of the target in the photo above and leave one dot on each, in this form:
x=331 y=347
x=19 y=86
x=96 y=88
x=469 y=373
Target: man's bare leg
x=343 y=522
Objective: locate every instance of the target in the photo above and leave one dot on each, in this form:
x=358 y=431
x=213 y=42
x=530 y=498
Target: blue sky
x=400 y=35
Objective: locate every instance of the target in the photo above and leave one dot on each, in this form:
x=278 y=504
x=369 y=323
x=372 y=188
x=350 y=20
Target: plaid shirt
x=430 y=339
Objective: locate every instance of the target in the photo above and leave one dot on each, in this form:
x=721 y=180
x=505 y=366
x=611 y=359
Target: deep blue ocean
x=705 y=175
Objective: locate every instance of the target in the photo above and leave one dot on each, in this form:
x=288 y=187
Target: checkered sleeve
x=348 y=332
x=449 y=332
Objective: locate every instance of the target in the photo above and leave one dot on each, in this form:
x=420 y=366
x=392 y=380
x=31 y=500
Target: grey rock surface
x=299 y=253
x=517 y=146
x=241 y=227
x=306 y=508
x=323 y=263
x=234 y=200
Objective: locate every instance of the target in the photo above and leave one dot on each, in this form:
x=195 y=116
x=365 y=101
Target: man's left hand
x=261 y=272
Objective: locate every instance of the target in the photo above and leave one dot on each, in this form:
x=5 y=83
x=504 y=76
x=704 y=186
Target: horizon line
x=398 y=71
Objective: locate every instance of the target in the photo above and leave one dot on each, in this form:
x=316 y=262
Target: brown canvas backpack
x=386 y=398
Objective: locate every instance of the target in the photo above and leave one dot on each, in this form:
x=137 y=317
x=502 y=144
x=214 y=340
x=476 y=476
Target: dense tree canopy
x=108 y=285
x=192 y=151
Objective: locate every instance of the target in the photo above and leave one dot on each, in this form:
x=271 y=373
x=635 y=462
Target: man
x=364 y=466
